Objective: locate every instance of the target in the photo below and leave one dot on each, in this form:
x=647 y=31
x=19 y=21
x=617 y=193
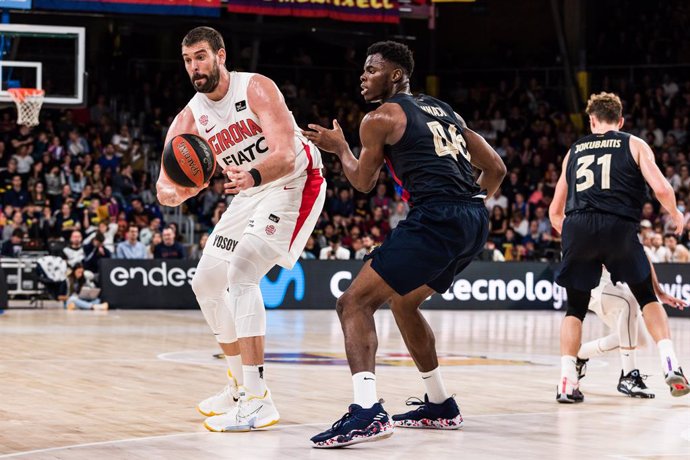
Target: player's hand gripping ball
x=188 y=160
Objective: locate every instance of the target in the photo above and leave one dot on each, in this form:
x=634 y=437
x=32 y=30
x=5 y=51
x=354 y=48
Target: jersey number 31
x=583 y=164
x=445 y=146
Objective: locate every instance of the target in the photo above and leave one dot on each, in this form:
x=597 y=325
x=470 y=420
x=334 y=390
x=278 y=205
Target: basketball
x=188 y=160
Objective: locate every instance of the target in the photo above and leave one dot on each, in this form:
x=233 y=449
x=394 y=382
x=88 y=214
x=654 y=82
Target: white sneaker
x=251 y=412
x=221 y=403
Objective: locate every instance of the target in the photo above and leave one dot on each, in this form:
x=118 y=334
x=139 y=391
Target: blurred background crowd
x=82 y=183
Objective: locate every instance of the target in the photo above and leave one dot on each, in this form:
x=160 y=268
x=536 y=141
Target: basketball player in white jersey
x=616 y=306
x=275 y=174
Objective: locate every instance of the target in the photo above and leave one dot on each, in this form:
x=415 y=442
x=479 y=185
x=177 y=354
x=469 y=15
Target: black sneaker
x=678 y=383
x=633 y=385
x=444 y=416
x=562 y=395
x=581 y=367
x=357 y=425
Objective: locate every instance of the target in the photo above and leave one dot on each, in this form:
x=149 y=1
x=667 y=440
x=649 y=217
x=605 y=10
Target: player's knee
x=197 y=284
x=643 y=292
x=250 y=314
x=341 y=305
x=578 y=302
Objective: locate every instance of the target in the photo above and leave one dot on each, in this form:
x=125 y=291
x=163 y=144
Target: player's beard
x=212 y=80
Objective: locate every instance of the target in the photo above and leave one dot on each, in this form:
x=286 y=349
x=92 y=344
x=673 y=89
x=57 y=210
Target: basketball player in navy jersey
x=430 y=153
x=597 y=207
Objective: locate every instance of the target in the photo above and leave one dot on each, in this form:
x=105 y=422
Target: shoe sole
x=679 y=387
x=380 y=436
x=633 y=394
x=241 y=429
x=428 y=424
x=638 y=395
x=564 y=399
x=210 y=414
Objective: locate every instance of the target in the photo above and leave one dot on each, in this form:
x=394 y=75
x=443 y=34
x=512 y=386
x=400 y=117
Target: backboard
x=51 y=58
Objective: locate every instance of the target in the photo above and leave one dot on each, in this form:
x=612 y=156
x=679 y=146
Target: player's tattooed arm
x=557 y=208
x=169 y=193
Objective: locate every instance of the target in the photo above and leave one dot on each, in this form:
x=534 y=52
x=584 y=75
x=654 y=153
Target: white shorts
x=283 y=216
x=609 y=300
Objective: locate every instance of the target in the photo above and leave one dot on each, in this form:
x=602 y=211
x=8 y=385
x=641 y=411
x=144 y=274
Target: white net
x=29 y=102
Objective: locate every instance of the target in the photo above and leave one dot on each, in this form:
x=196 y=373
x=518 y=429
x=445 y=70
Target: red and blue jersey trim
x=404 y=194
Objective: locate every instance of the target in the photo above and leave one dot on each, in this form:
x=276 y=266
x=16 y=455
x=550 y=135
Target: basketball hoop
x=29 y=102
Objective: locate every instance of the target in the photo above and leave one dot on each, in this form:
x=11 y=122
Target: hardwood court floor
x=124 y=384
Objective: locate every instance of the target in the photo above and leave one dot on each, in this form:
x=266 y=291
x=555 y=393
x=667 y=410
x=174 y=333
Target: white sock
x=254 y=379
x=365 y=389
x=628 y=361
x=669 y=362
x=568 y=369
x=235 y=373
x=435 y=389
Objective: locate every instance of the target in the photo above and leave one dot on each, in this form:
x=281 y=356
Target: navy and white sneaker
x=632 y=384
x=357 y=425
x=444 y=416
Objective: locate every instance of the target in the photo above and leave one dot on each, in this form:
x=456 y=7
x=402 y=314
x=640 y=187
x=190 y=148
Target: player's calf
x=444 y=416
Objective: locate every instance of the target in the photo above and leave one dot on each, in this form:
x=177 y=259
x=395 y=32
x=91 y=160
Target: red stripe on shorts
x=312 y=187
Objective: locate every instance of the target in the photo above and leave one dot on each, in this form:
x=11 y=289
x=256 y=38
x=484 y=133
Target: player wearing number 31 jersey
x=597 y=207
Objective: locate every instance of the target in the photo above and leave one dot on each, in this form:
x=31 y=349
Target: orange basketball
x=188 y=160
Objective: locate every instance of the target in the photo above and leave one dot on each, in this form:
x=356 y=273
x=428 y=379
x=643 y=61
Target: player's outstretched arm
x=169 y=193
x=268 y=104
x=557 y=208
x=373 y=131
x=663 y=191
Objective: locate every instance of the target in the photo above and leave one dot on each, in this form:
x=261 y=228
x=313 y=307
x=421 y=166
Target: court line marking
x=277 y=428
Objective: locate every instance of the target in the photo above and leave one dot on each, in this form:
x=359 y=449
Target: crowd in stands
x=82 y=183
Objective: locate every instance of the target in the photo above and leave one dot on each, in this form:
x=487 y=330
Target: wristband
x=256 y=175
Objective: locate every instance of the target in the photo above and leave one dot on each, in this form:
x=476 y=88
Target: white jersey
x=234 y=133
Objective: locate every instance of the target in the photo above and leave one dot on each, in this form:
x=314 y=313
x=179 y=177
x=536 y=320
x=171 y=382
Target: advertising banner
x=174 y=7
x=342 y=10
x=15 y=4
x=314 y=284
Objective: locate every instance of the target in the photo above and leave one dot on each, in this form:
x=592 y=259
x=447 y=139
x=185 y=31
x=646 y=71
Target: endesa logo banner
x=314 y=284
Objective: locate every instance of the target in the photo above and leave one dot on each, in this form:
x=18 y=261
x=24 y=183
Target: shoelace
x=639 y=380
x=342 y=420
x=414 y=401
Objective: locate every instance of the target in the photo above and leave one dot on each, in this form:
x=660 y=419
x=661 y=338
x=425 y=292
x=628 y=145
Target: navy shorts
x=435 y=243
x=593 y=239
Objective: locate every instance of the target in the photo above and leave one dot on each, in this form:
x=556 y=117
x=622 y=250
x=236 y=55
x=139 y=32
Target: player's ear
x=621 y=122
x=222 y=55
x=397 y=75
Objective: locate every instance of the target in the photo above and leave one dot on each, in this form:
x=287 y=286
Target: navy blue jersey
x=603 y=176
x=431 y=160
